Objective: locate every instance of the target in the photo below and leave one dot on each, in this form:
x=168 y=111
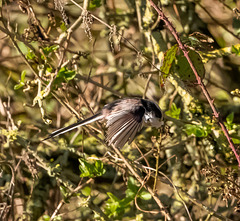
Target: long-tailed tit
x=124 y=118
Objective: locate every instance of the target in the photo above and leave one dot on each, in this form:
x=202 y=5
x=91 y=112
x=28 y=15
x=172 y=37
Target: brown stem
x=199 y=80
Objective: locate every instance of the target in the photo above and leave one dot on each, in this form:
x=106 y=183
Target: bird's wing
x=124 y=125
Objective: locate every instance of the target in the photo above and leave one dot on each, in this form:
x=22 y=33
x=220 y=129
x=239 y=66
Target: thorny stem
x=199 y=80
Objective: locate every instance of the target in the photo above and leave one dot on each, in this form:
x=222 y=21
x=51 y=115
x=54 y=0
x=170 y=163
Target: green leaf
x=63 y=26
x=230 y=118
x=236 y=50
x=18 y=86
x=112 y=206
x=144 y=195
x=64 y=193
x=86 y=191
x=46 y=217
x=21 y=81
x=174 y=112
x=66 y=74
x=183 y=69
x=236 y=141
x=23 y=74
x=91 y=170
x=115 y=207
x=196 y=130
x=49 y=49
x=169 y=57
x=30 y=55
x=94 y=4
x=132 y=188
x=99 y=170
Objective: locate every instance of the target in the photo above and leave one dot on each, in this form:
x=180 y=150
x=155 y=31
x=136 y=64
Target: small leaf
x=174 y=112
x=236 y=141
x=18 y=86
x=63 y=26
x=91 y=170
x=94 y=4
x=48 y=50
x=86 y=191
x=235 y=50
x=46 y=217
x=132 y=188
x=23 y=74
x=30 y=55
x=21 y=81
x=66 y=74
x=196 y=130
x=230 y=118
x=65 y=193
x=145 y=195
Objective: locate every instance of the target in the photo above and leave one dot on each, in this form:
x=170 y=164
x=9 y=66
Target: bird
x=124 y=119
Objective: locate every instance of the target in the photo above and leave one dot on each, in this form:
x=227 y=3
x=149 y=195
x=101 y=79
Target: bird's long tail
x=89 y=120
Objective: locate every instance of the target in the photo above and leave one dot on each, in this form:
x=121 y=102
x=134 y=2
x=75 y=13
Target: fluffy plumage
x=124 y=119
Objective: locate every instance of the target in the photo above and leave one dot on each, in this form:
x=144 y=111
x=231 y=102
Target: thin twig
x=142 y=182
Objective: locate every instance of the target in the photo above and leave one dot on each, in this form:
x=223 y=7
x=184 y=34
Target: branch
x=199 y=80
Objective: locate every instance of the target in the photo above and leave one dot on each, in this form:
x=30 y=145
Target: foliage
x=91 y=170
x=174 y=111
x=60 y=63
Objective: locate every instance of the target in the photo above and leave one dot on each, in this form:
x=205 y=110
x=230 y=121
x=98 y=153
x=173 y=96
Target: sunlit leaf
x=169 y=56
x=196 y=130
x=21 y=81
x=174 y=112
x=91 y=170
x=30 y=55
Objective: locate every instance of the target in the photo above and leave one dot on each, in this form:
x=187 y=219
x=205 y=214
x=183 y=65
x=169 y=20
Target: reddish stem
x=199 y=80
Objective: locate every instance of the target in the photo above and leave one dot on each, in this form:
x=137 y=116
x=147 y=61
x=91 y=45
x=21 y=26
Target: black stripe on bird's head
x=152 y=107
